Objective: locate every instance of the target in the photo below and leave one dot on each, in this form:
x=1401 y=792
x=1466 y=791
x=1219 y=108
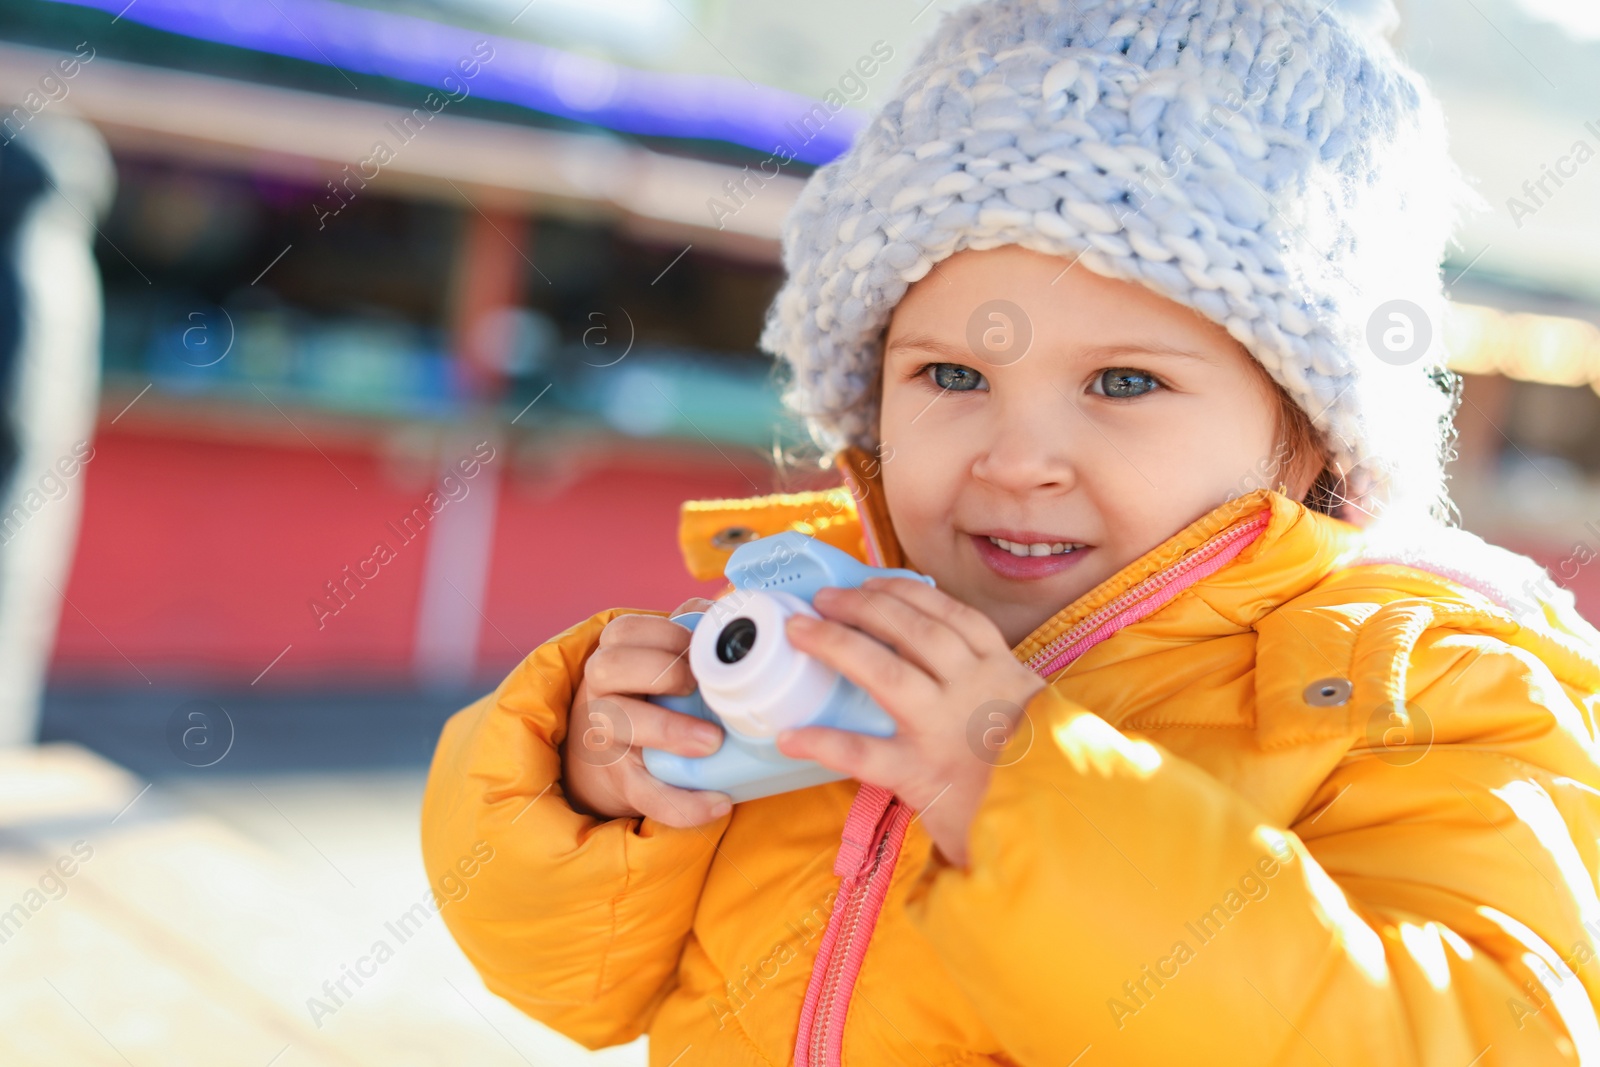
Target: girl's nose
x=1029 y=451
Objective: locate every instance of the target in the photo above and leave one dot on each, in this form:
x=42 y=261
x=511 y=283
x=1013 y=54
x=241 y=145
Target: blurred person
x=1296 y=770
x=56 y=177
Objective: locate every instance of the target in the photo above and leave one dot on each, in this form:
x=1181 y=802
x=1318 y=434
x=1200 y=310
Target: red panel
x=200 y=561
x=608 y=538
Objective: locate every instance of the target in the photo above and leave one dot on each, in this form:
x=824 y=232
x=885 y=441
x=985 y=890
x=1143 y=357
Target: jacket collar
x=861 y=472
x=1258 y=580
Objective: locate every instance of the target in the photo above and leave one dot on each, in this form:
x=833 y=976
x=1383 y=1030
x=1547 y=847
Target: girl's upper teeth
x=1038 y=548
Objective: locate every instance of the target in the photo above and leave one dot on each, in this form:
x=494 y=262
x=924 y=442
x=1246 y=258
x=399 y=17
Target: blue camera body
x=751 y=682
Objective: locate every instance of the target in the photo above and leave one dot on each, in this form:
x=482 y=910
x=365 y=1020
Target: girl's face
x=1080 y=419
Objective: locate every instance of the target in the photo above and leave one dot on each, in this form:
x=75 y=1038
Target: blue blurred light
x=531 y=75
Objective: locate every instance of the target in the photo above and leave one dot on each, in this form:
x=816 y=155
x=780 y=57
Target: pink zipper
x=868 y=849
x=1145 y=597
x=876 y=826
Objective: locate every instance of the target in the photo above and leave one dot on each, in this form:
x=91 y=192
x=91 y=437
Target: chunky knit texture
x=1269 y=163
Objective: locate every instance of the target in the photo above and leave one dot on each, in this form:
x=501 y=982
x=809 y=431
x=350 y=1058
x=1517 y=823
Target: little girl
x=1215 y=742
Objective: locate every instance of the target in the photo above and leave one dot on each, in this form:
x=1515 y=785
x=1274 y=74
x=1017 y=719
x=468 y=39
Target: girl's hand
x=602 y=769
x=945 y=675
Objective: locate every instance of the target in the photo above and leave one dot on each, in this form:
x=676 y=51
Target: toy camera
x=753 y=683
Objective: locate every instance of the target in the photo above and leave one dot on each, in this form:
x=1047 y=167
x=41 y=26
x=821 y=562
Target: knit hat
x=1270 y=163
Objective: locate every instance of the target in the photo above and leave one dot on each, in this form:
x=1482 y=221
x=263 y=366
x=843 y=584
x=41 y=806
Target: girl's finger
x=976 y=628
x=917 y=635
x=671 y=806
x=639 y=669
x=650 y=631
x=638 y=723
x=899 y=686
x=873 y=760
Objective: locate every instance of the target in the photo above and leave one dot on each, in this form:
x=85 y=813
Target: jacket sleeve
x=1428 y=907
x=579 y=922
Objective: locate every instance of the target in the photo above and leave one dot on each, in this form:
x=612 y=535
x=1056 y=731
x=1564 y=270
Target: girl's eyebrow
x=931 y=344
x=1144 y=348
x=957 y=353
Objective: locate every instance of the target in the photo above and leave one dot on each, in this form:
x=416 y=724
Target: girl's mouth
x=1026 y=560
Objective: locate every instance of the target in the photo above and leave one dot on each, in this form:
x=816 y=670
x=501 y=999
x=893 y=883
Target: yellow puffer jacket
x=1310 y=811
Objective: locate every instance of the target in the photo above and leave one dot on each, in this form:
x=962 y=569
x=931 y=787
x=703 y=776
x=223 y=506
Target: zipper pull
x=865 y=826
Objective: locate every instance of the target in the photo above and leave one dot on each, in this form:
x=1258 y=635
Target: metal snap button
x=730 y=536
x=1327 y=692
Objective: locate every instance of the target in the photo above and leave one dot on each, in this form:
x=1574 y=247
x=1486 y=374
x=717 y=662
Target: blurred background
x=479 y=282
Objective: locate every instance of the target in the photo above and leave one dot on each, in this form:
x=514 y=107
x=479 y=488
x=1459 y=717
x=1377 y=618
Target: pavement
x=211 y=921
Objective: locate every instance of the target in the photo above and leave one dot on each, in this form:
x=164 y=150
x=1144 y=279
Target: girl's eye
x=954 y=377
x=1122 y=382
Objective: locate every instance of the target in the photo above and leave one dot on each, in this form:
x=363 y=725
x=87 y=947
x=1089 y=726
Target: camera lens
x=736 y=639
